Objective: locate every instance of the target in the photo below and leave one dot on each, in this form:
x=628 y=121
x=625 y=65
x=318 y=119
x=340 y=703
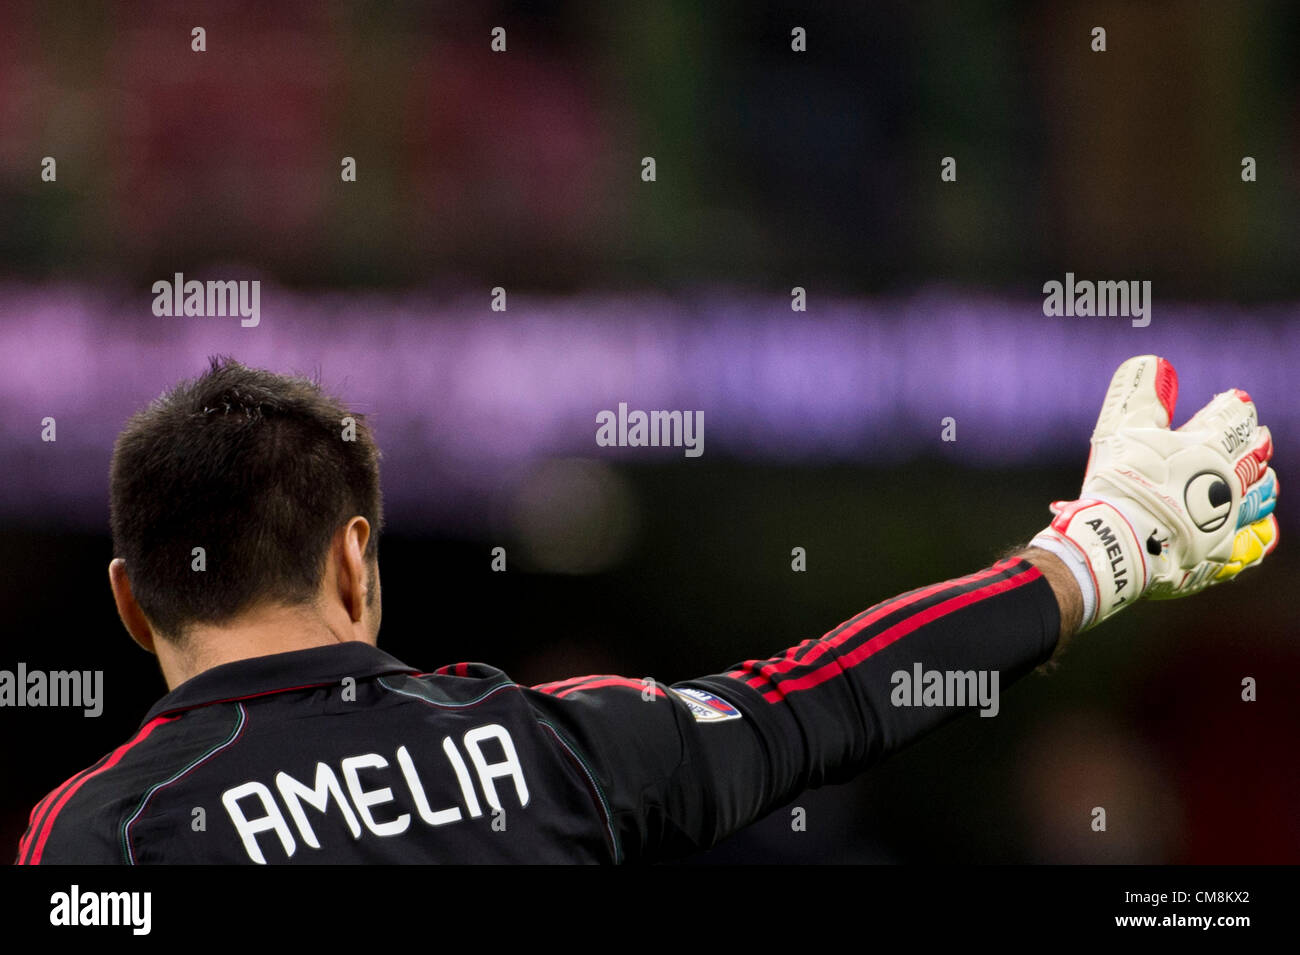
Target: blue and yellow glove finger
x=1252 y=544
x=1259 y=500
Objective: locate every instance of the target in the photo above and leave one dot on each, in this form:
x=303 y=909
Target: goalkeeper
x=280 y=698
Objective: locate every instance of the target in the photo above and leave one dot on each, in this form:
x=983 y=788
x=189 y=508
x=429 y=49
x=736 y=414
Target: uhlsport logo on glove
x=1165 y=513
x=1208 y=499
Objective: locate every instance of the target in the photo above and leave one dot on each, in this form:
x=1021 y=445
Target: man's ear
x=132 y=616
x=354 y=574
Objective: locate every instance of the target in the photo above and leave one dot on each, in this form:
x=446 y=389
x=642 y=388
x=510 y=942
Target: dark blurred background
x=775 y=169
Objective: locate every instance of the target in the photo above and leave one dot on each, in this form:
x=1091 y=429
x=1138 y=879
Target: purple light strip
x=462 y=397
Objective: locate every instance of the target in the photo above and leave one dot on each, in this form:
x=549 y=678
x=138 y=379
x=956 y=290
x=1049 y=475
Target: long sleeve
x=682 y=767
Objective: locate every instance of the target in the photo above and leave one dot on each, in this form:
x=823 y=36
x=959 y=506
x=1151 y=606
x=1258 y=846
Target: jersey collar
x=278 y=673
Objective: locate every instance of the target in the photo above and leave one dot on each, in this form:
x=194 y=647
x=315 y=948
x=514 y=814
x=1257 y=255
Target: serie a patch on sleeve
x=704 y=706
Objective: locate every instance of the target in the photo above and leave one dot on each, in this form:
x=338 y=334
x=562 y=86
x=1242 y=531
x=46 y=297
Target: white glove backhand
x=1165 y=513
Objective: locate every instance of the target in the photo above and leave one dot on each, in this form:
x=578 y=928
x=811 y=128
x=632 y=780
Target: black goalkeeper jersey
x=342 y=754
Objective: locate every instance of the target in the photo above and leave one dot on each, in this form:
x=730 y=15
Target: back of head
x=257 y=469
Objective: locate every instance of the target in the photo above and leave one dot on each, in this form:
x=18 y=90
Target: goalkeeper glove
x=1165 y=513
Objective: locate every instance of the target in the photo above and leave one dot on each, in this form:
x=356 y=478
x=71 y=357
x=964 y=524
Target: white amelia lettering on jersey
x=356 y=803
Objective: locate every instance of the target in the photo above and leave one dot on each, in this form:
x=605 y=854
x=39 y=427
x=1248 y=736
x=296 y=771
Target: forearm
x=1066 y=589
x=828 y=708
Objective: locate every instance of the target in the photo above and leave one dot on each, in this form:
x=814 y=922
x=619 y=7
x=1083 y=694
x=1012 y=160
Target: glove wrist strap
x=1103 y=551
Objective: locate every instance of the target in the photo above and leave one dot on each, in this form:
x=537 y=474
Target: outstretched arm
x=679 y=768
x=1162 y=514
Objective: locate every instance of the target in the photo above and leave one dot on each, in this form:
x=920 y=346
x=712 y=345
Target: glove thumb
x=1142 y=394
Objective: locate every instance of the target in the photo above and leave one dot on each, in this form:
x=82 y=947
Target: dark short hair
x=254 y=468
